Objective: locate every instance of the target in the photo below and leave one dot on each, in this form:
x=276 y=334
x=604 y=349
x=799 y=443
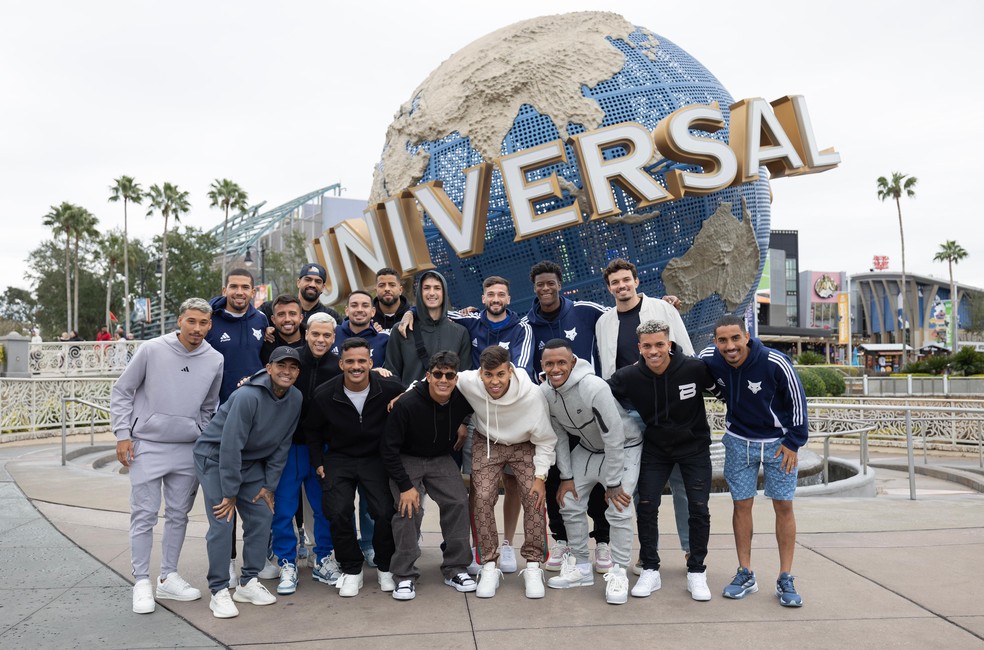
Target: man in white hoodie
x=159 y=406
x=512 y=427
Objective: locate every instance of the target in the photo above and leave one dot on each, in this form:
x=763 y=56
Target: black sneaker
x=462 y=582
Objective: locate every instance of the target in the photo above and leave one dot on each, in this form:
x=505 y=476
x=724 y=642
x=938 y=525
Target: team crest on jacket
x=571 y=334
x=754 y=386
x=504 y=345
x=257 y=333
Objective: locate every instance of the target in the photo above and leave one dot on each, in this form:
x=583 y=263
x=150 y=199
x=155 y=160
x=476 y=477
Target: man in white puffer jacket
x=511 y=428
x=607 y=446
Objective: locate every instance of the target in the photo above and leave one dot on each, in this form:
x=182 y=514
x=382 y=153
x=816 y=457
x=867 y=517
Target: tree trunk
x=906 y=315
x=225 y=248
x=954 y=310
x=68 y=284
x=126 y=275
x=163 y=273
x=109 y=293
x=75 y=264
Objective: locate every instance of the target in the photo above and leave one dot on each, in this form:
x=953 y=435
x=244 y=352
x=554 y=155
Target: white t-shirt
x=358 y=397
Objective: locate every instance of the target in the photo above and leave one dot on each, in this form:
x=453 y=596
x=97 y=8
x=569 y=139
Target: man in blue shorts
x=766 y=424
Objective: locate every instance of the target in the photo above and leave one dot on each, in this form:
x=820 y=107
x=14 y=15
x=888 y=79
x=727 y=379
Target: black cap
x=313 y=269
x=285 y=352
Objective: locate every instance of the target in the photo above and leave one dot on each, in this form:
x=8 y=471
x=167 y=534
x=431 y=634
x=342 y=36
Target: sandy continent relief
x=479 y=90
x=724 y=259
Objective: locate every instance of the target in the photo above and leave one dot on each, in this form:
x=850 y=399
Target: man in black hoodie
x=389 y=302
x=349 y=414
x=421 y=432
x=667 y=391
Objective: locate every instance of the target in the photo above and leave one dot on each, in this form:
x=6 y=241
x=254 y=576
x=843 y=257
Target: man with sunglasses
x=421 y=432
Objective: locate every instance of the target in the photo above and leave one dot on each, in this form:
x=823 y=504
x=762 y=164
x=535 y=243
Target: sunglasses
x=449 y=375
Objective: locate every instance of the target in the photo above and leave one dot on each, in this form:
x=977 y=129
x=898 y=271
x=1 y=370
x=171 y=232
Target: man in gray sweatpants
x=157 y=416
x=239 y=459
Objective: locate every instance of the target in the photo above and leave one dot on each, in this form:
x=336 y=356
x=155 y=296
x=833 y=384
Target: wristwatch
x=542 y=477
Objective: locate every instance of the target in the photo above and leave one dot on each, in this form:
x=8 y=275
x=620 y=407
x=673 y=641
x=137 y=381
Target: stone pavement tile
x=101 y=617
x=18 y=604
x=34 y=533
x=404 y=641
x=10 y=523
x=974 y=624
x=859 y=633
x=105 y=545
x=945 y=580
x=9 y=490
x=54 y=567
x=908 y=538
x=18 y=509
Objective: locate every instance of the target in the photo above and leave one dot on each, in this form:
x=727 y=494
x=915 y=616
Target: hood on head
x=419 y=302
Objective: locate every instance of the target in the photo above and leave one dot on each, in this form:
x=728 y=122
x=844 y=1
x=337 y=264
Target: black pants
x=343 y=474
x=654 y=472
x=596 y=510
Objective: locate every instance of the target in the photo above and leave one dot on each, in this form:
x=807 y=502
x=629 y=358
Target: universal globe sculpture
x=554 y=77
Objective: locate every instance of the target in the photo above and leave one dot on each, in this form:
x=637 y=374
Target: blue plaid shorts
x=741 y=469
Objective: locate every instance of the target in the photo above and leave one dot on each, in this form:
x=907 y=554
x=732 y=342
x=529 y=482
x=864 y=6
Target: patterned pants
x=487 y=468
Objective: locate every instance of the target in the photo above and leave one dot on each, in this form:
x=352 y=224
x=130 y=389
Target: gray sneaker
x=741 y=585
x=326 y=570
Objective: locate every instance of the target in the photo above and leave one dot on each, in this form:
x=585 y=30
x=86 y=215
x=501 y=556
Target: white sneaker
x=474 y=568
x=697 y=586
x=233 y=580
x=603 y=558
x=555 y=558
x=288 y=578
x=326 y=570
x=269 y=571
x=572 y=575
x=143 y=597
x=174 y=587
x=617 y=589
x=488 y=580
x=222 y=605
x=507 y=558
x=533 y=577
x=349 y=584
x=386 y=582
x=305 y=538
x=647 y=583
x=404 y=591
x=253 y=592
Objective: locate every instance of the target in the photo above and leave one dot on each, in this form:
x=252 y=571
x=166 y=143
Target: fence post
x=864 y=385
x=909 y=453
x=64 y=432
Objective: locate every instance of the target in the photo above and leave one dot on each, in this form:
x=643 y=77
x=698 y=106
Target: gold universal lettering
x=674 y=141
x=523 y=194
x=758 y=139
x=464 y=229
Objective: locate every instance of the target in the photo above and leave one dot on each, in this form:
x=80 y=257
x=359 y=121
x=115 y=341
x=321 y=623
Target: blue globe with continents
x=553 y=78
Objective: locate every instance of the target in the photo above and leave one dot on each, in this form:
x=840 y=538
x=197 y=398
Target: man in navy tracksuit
x=359 y=312
x=497 y=325
x=237 y=330
x=766 y=424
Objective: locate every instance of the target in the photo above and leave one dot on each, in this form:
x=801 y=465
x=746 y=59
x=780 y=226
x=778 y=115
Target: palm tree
x=61 y=220
x=894 y=189
x=226 y=195
x=951 y=252
x=85 y=230
x=112 y=250
x=168 y=201
x=130 y=191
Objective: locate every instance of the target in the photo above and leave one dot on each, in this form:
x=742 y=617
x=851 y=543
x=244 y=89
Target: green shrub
x=916 y=368
x=967 y=362
x=833 y=381
x=812 y=384
x=811 y=359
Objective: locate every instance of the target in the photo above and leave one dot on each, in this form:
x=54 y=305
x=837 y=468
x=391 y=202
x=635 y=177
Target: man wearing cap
x=239 y=458
x=158 y=406
x=310 y=285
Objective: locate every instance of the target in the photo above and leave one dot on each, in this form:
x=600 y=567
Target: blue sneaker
x=742 y=584
x=786 y=592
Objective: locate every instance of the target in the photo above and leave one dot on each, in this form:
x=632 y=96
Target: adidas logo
x=225 y=338
x=475 y=343
x=185 y=369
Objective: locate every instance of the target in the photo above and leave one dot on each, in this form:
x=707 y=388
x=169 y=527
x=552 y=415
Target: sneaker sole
x=552 y=567
x=243 y=599
x=748 y=590
x=784 y=603
x=569 y=585
x=145 y=610
x=169 y=596
x=404 y=596
x=286 y=591
x=222 y=615
x=701 y=598
x=617 y=600
x=603 y=569
x=647 y=594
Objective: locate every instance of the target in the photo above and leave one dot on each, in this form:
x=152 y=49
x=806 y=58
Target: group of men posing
x=587 y=410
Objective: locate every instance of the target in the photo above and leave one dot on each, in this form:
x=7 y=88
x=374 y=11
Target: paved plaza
x=874 y=573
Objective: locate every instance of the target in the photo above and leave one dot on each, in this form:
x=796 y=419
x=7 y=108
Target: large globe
x=553 y=77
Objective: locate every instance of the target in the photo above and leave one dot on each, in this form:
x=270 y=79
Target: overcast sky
x=287 y=97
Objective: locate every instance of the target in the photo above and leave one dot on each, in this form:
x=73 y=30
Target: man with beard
x=666 y=389
x=237 y=330
x=310 y=285
x=318 y=365
x=359 y=313
x=347 y=417
x=287 y=330
x=389 y=302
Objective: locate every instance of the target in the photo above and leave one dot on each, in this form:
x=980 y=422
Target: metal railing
x=64 y=422
x=80 y=358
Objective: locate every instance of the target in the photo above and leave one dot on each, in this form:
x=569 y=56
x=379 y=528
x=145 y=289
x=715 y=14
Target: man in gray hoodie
x=239 y=459
x=408 y=357
x=608 y=449
x=157 y=416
